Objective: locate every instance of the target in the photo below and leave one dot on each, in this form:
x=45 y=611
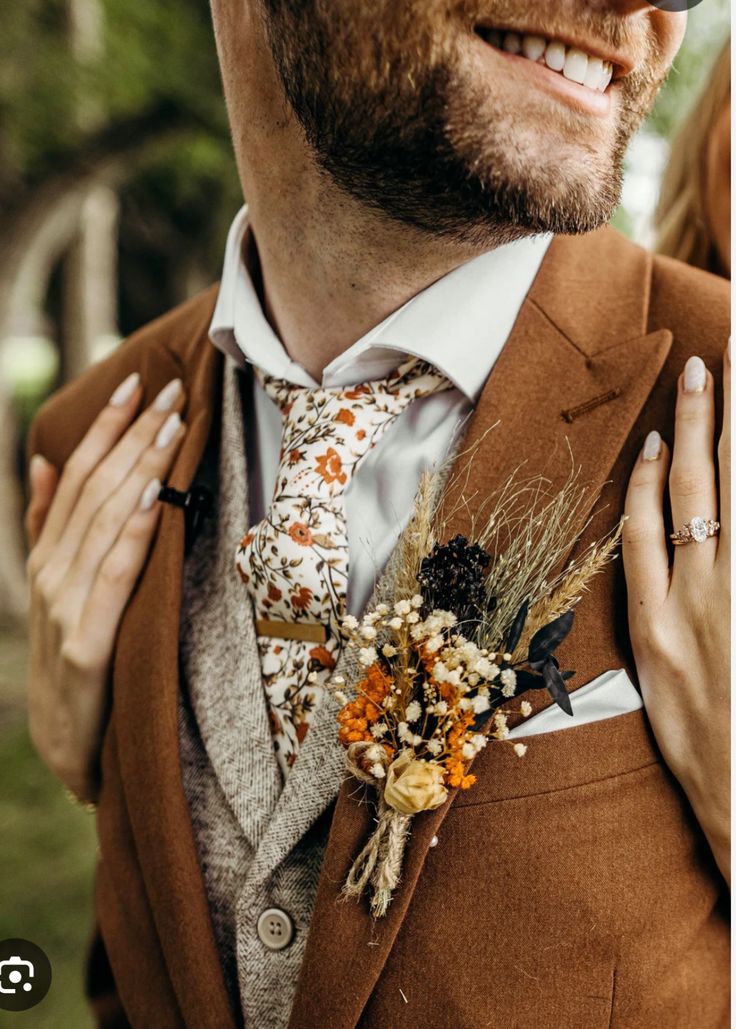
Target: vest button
x=275 y=929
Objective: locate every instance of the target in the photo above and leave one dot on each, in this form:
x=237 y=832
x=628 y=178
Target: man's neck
x=331 y=269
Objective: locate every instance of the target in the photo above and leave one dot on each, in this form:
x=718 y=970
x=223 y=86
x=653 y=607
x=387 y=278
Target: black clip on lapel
x=196 y=503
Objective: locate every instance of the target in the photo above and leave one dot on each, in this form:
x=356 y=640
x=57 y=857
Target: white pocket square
x=610 y=694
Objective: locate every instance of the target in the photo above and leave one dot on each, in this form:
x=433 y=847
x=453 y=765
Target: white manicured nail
x=125 y=390
x=652 y=447
x=150 y=494
x=168 y=430
x=168 y=395
x=695 y=377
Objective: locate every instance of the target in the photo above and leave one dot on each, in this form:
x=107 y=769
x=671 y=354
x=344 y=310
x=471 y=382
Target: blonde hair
x=681 y=217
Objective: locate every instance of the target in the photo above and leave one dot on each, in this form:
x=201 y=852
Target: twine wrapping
x=379 y=863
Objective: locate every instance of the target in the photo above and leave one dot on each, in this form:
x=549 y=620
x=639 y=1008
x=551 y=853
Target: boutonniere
x=467 y=626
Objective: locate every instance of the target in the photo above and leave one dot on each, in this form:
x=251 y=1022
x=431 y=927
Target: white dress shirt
x=459 y=324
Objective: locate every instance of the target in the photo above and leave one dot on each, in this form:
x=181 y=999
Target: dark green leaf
x=556 y=686
x=549 y=637
x=517 y=627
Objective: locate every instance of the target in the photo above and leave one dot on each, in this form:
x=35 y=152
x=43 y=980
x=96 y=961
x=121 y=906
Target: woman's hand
x=679 y=615
x=90 y=532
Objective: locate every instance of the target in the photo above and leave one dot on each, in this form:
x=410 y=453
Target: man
x=406 y=167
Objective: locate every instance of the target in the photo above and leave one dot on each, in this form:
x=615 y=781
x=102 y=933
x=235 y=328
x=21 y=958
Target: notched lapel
x=519 y=418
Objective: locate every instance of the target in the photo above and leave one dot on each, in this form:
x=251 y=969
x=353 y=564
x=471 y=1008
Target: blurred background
x=117 y=187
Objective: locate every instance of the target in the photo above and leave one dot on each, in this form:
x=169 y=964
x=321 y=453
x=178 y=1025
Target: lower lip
x=554 y=82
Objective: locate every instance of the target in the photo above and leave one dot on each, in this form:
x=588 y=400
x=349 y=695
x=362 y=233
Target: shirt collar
x=459 y=324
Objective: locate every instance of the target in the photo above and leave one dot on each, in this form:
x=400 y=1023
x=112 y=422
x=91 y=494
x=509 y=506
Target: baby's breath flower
x=468 y=751
x=480 y=704
x=402 y=607
x=526 y=708
x=417 y=740
x=508 y=691
x=389 y=650
x=378 y=771
x=371 y=618
x=395 y=623
x=379 y=730
x=367 y=656
x=508 y=677
x=382 y=609
x=404 y=732
x=479 y=741
x=350 y=622
x=507 y=657
x=413 y=711
x=412 y=618
x=520 y=749
x=502 y=729
x=368 y=632
x=434 y=644
x=417 y=600
x=485 y=667
x=440 y=708
x=434 y=747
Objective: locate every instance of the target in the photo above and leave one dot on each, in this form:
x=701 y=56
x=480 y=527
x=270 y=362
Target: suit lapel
x=548 y=396
x=145 y=686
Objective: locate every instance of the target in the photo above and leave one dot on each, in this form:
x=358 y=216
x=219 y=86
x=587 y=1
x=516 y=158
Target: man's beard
x=380 y=91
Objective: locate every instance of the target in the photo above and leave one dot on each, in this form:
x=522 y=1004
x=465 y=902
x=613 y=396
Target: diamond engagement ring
x=696 y=531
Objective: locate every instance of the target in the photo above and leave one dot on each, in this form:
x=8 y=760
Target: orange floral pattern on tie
x=294 y=563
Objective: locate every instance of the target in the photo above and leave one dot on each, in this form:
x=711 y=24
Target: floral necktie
x=294 y=563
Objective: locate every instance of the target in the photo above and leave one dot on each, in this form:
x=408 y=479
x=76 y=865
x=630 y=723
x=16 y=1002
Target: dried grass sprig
x=574 y=582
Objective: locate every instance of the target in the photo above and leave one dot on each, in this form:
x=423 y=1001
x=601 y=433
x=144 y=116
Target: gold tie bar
x=308 y=632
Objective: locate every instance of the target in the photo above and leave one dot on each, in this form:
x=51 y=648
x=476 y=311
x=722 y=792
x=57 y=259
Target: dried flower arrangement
x=467 y=626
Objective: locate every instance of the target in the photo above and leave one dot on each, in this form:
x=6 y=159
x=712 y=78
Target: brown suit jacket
x=572 y=888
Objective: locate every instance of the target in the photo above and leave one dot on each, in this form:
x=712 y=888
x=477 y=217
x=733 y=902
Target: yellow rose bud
x=413 y=785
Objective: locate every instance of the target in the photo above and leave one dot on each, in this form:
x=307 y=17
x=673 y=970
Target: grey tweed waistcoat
x=260 y=842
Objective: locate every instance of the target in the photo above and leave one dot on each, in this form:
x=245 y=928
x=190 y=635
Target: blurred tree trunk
x=90 y=284
x=13 y=594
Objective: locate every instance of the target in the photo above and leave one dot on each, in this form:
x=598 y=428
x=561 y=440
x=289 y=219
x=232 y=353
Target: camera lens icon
x=14 y=971
x=25 y=975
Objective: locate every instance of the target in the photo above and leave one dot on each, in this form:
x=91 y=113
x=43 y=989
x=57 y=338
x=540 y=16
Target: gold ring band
x=697 y=530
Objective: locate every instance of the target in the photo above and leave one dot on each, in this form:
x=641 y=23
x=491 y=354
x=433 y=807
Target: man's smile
x=580 y=72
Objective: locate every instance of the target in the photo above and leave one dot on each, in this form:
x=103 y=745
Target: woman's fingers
x=692 y=475
x=44 y=479
x=112 y=470
x=646 y=562
x=110 y=519
x=724 y=467
x=105 y=431
x=93 y=639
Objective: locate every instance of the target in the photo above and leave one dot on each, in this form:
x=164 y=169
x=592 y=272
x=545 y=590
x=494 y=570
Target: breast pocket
x=580 y=871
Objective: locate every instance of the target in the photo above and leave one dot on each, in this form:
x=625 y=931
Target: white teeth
x=576 y=65
x=554 y=55
x=512 y=43
x=533 y=47
x=594 y=72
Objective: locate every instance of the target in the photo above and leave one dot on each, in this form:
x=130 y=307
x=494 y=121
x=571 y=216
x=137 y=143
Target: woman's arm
x=679 y=614
x=90 y=532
